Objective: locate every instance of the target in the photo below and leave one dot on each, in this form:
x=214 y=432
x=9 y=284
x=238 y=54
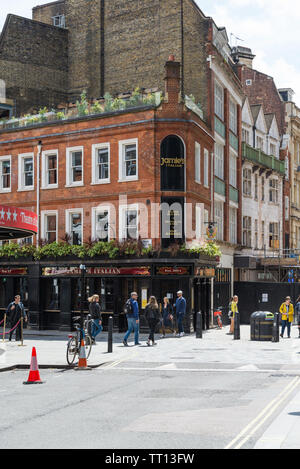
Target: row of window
x=128 y=166
x=260 y=241
x=198 y=178
x=219 y=107
x=251 y=187
x=219 y=220
x=219 y=165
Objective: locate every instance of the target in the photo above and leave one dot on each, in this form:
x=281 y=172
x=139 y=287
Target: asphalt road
x=133 y=404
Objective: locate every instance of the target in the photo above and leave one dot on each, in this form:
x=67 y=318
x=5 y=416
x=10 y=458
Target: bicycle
x=74 y=343
x=218 y=315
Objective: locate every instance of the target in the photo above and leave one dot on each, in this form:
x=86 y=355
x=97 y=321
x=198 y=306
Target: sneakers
x=162 y=336
x=138 y=343
x=125 y=343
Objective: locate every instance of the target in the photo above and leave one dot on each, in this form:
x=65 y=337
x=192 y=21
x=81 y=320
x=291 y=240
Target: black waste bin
x=262 y=326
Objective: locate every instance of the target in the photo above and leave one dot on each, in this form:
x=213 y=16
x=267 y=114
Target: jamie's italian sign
x=18 y=219
x=101 y=271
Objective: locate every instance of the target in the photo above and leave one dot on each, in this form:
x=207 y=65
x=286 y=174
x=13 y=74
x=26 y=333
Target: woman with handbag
x=152 y=315
x=167 y=317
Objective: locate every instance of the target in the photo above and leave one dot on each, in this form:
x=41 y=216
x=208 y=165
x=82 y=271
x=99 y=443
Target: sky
x=269 y=27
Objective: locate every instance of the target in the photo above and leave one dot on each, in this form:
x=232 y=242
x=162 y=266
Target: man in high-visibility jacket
x=287 y=316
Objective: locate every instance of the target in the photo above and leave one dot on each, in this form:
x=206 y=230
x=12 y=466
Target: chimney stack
x=242 y=56
x=172 y=80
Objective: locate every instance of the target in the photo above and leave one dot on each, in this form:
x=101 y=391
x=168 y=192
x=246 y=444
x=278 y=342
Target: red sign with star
x=18 y=219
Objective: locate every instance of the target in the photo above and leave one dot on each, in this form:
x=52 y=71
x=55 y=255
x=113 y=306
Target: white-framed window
x=247 y=231
x=197 y=162
x=233 y=225
x=256 y=187
x=50 y=169
x=247 y=182
x=128 y=160
x=233 y=170
x=273 y=149
x=219 y=100
x=5 y=174
x=233 y=116
x=287 y=207
x=206 y=168
x=74 y=225
x=246 y=136
x=256 y=234
x=74 y=169
x=274 y=235
x=273 y=192
x=287 y=168
x=263 y=238
x=49 y=225
x=219 y=219
x=101 y=227
x=26 y=172
x=263 y=189
x=219 y=161
x=101 y=163
x=59 y=21
x=128 y=222
x=260 y=144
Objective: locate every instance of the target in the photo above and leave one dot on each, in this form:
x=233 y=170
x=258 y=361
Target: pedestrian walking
x=233 y=307
x=167 y=317
x=287 y=316
x=95 y=312
x=180 y=308
x=297 y=312
x=152 y=314
x=131 y=310
x=14 y=312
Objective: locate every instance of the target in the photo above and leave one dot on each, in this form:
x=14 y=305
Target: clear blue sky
x=269 y=27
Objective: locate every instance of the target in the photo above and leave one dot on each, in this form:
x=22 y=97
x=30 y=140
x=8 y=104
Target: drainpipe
x=39 y=147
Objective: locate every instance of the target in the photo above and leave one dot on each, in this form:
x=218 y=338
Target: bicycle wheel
x=88 y=345
x=72 y=350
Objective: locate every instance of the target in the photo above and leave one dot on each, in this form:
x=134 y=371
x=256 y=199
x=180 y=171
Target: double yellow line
x=268 y=411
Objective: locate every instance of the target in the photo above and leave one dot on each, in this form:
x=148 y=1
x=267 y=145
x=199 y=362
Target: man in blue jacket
x=180 y=307
x=133 y=319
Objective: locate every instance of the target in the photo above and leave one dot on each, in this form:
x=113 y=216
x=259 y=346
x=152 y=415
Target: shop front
x=52 y=292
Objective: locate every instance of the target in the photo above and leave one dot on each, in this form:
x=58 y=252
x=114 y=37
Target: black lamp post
x=82 y=270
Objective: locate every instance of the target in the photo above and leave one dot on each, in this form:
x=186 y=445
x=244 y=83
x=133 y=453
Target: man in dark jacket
x=133 y=319
x=15 y=311
x=180 y=307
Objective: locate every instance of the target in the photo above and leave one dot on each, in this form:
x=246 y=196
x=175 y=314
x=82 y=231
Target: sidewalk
x=216 y=349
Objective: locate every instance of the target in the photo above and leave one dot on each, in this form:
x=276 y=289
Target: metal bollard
x=237 y=328
x=199 y=325
x=275 y=333
x=110 y=335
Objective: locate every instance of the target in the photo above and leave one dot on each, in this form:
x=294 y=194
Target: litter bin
x=262 y=326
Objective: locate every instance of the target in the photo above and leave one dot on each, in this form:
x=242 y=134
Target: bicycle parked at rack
x=74 y=343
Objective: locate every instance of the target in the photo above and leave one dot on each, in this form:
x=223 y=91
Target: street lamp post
x=82 y=270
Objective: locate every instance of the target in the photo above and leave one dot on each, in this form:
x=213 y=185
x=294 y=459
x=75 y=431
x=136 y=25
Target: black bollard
x=110 y=335
x=199 y=325
x=237 y=329
x=275 y=333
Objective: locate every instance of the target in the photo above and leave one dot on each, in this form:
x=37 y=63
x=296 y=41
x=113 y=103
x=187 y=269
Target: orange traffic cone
x=34 y=374
x=82 y=364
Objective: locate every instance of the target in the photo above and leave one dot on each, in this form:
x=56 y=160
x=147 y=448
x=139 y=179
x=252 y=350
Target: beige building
x=292 y=142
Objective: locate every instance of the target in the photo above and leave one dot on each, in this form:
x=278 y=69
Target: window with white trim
x=206 y=168
x=256 y=234
x=274 y=235
x=247 y=231
x=273 y=192
x=101 y=163
x=233 y=170
x=246 y=136
x=49 y=226
x=59 y=21
x=233 y=116
x=197 y=162
x=233 y=225
x=129 y=222
x=50 y=169
x=26 y=172
x=128 y=160
x=256 y=187
x=263 y=234
x=5 y=174
x=247 y=182
x=219 y=161
x=219 y=219
x=219 y=101
x=74 y=225
x=74 y=171
x=101 y=224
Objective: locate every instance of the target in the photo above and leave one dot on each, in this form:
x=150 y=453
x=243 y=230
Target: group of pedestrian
x=154 y=315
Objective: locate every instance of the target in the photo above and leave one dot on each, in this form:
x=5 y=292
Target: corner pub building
x=74 y=172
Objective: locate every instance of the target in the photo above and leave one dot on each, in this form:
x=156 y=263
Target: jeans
x=132 y=326
x=285 y=324
x=96 y=328
x=180 y=317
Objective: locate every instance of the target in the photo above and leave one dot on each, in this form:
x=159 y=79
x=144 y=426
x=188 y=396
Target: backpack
x=128 y=307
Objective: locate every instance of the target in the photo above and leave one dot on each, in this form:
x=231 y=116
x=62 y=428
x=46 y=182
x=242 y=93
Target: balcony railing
x=261 y=158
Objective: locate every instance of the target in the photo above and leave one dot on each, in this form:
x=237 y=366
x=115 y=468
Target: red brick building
x=88 y=177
